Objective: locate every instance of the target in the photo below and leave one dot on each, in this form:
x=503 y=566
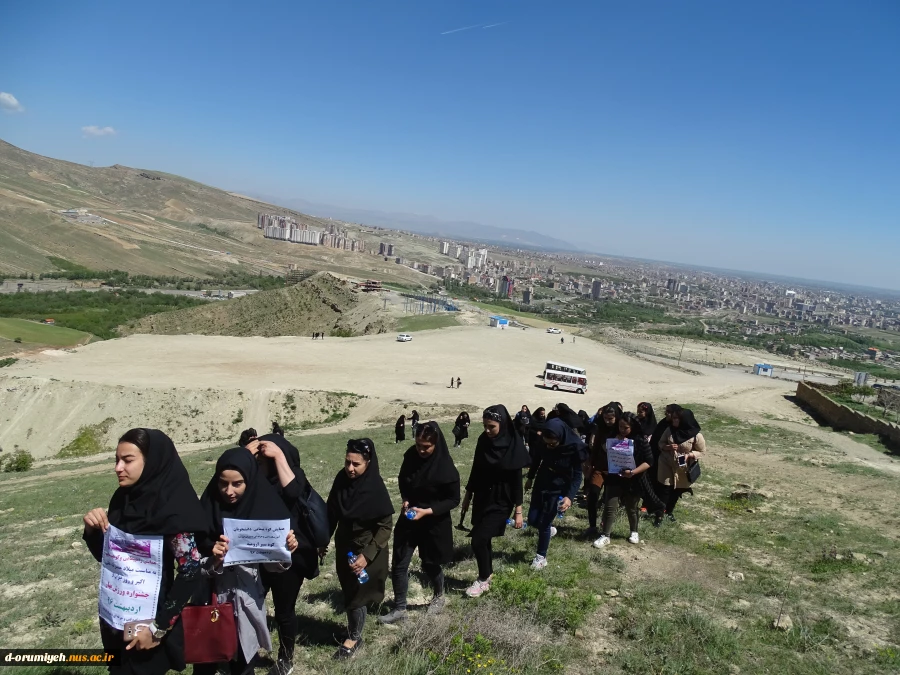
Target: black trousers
x=285 y=587
x=356 y=621
x=483 y=548
x=670 y=495
x=400 y=574
x=593 y=504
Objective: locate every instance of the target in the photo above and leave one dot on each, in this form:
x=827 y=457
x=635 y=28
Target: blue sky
x=761 y=136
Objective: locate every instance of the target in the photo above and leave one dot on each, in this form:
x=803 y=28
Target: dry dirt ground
x=44 y=399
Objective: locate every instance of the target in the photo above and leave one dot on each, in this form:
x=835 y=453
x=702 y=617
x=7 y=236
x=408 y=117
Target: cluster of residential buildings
x=286 y=228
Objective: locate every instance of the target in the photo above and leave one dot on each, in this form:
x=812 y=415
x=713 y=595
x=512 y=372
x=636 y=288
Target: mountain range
x=423 y=224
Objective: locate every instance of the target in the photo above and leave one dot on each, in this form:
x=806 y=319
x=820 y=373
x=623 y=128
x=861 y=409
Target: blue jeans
x=541 y=515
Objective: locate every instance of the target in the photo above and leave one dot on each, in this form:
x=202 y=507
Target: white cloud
x=9 y=103
x=94 y=131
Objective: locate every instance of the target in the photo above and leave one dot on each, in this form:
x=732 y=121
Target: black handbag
x=693 y=470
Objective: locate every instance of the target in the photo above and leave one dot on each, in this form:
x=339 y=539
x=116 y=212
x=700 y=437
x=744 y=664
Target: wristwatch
x=158 y=633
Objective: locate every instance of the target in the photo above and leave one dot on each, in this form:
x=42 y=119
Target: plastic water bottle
x=363 y=576
x=559 y=512
x=410 y=514
x=512 y=523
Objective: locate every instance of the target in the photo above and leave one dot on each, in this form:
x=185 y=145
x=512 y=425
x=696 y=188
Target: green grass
x=876 y=369
x=98 y=313
x=665 y=606
x=32 y=332
x=89 y=440
x=410 y=324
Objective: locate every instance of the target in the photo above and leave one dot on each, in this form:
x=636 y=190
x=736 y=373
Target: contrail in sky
x=494 y=25
x=456 y=30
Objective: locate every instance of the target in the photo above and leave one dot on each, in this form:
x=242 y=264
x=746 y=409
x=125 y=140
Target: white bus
x=568 y=378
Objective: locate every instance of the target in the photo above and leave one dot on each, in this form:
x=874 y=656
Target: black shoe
x=343 y=653
x=657 y=521
x=671 y=517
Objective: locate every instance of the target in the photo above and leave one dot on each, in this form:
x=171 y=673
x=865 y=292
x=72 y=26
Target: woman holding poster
x=628 y=456
x=239 y=493
x=279 y=461
x=360 y=509
x=150 y=529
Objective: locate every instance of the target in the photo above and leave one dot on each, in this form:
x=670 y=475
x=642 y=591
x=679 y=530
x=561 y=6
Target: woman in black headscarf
x=247 y=436
x=238 y=490
x=461 y=428
x=680 y=446
x=280 y=464
x=494 y=488
x=360 y=509
x=624 y=486
x=414 y=421
x=400 y=429
x=557 y=476
x=522 y=420
x=154 y=498
x=647 y=419
x=606 y=425
x=429 y=487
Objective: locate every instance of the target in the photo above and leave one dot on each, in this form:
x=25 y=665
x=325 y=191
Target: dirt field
x=148 y=374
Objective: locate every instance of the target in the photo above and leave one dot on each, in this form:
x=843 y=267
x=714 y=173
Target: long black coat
x=433 y=535
x=495 y=493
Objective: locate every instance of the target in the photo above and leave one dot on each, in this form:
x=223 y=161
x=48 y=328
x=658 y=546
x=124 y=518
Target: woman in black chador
x=429 y=487
x=494 y=489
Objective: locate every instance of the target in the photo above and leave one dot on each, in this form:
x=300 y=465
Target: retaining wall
x=843 y=418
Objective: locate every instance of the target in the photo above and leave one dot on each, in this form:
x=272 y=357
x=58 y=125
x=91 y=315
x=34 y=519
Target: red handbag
x=210 y=632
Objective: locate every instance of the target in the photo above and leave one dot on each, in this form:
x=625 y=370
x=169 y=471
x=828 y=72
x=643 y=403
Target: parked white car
x=404 y=337
x=557 y=331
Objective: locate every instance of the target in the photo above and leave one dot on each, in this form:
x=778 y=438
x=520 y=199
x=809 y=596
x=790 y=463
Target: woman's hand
x=566 y=504
x=143 y=639
x=466 y=501
x=518 y=520
x=360 y=564
x=253 y=446
x=291 y=541
x=219 y=550
x=270 y=450
x=671 y=447
x=422 y=513
x=404 y=508
x=96 y=519
x=322 y=553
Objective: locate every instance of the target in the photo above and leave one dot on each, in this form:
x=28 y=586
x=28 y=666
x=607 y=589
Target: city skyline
x=751 y=138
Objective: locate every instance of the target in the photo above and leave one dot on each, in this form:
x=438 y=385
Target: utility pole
x=682 y=351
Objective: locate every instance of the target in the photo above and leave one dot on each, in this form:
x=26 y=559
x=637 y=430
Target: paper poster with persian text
x=256 y=541
x=619 y=454
x=130 y=577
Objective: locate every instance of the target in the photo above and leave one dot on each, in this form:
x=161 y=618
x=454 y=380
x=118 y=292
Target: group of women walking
x=261 y=480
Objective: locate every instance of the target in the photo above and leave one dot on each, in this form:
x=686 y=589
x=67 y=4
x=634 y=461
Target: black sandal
x=343 y=653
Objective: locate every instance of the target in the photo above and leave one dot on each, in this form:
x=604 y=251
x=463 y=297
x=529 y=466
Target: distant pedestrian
x=400 y=429
x=458 y=383
x=451 y=383
x=562 y=340
x=414 y=421
x=573 y=339
x=461 y=428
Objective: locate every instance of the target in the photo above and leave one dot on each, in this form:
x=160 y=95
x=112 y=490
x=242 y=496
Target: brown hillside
x=322 y=303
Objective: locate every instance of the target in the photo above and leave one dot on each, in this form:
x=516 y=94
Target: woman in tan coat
x=680 y=446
